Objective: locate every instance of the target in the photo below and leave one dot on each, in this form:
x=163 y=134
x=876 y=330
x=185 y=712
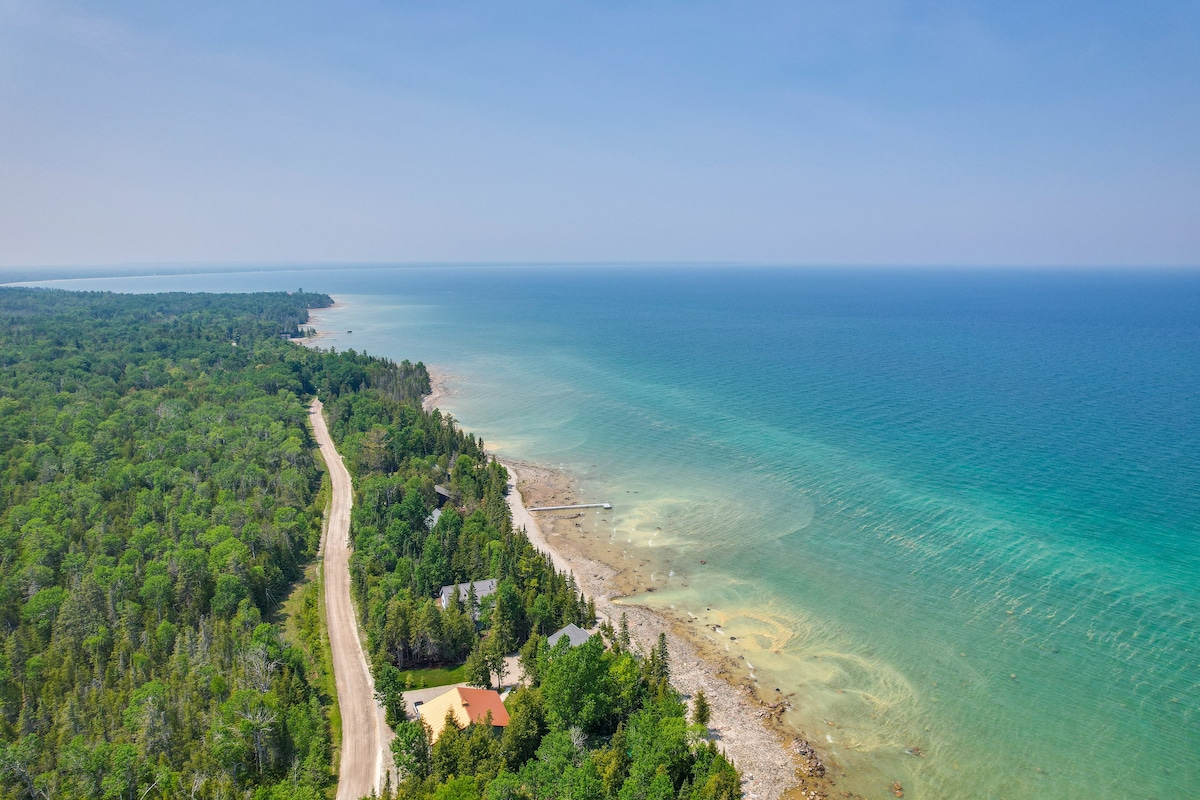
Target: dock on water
x=571 y=508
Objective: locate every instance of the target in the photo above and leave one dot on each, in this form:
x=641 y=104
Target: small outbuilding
x=468 y=706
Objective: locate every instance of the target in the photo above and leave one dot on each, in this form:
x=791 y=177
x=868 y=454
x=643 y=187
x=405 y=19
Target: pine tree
x=493 y=657
x=478 y=668
x=700 y=709
x=530 y=655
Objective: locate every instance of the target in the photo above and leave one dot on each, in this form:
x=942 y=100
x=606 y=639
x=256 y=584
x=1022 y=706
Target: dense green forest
x=159 y=501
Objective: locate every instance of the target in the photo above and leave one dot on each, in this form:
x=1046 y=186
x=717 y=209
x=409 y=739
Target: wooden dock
x=571 y=508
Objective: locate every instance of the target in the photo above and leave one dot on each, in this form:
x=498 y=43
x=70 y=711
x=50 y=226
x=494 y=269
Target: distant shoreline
x=318 y=325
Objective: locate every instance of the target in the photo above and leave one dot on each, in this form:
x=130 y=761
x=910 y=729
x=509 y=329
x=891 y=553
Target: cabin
x=572 y=633
x=468 y=706
x=463 y=590
x=442 y=494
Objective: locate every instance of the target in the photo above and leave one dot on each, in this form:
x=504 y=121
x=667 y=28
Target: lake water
x=953 y=511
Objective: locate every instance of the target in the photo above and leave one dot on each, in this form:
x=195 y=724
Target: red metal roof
x=478 y=702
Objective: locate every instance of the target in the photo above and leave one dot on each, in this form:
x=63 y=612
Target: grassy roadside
x=304 y=626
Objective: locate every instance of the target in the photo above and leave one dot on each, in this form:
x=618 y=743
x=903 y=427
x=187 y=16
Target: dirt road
x=365 y=735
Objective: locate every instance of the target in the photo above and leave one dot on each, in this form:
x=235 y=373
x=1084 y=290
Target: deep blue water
x=952 y=510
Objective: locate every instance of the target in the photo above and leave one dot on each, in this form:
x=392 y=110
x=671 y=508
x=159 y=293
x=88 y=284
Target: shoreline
x=776 y=761
x=439 y=389
x=319 y=327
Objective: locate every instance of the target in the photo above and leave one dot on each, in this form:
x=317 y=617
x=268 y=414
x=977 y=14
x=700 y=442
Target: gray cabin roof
x=482 y=589
x=442 y=495
x=575 y=635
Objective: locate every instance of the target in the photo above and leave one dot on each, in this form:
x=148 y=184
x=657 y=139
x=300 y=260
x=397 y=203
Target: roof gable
x=575 y=635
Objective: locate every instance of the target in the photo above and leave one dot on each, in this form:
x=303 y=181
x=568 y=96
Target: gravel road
x=366 y=736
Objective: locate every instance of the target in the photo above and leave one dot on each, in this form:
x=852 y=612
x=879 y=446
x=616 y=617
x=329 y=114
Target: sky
x=997 y=133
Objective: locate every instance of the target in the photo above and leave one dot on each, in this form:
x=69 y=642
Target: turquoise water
x=952 y=511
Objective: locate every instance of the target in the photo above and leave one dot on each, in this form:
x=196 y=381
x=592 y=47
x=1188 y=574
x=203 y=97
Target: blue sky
x=810 y=133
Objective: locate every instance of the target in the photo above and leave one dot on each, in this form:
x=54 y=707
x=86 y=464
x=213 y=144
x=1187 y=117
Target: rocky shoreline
x=777 y=763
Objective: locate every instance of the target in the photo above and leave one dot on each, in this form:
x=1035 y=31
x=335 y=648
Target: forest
x=159 y=504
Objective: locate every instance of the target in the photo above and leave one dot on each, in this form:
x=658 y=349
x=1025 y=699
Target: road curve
x=366 y=737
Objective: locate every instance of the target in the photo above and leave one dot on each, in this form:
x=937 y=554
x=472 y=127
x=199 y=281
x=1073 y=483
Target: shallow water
x=952 y=511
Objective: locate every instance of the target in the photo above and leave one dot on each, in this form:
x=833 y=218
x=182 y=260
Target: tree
x=623 y=637
x=494 y=657
x=464 y=788
x=478 y=666
x=541 y=615
x=389 y=691
x=664 y=657
x=449 y=749
x=506 y=786
x=230 y=591
x=18 y=761
x=480 y=754
x=700 y=709
x=526 y=727
x=713 y=777
x=658 y=746
x=412 y=751
x=531 y=653
x=507 y=616
x=472 y=600
x=577 y=687
x=658 y=665
x=613 y=762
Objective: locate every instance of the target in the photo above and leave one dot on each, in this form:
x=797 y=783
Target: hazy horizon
x=795 y=134
x=53 y=273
